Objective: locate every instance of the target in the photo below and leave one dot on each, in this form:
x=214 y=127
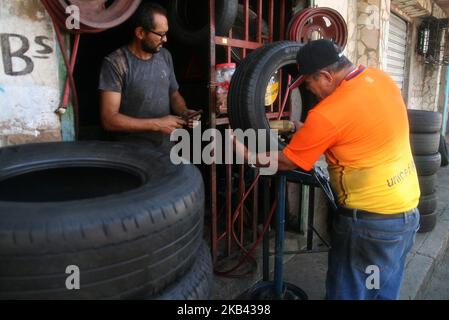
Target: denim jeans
x=367 y=258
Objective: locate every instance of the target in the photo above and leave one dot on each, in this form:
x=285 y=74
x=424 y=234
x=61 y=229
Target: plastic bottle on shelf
x=224 y=75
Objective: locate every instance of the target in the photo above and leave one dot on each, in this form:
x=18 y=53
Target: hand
x=170 y=123
x=186 y=115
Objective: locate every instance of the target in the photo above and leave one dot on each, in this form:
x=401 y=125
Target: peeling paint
x=29 y=9
x=29 y=77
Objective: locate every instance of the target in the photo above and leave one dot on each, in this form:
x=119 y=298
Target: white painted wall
x=29 y=81
x=340 y=5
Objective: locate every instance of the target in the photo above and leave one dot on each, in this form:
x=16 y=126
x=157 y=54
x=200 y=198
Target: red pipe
x=212 y=119
x=65 y=102
x=234 y=232
x=248 y=254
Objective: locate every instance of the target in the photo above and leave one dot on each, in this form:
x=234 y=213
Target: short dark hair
x=144 y=15
x=342 y=63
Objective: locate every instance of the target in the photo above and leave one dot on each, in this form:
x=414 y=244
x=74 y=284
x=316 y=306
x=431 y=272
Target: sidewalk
x=308 y=271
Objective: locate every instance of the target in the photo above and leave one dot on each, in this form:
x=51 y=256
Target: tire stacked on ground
x=425 y=142
x=124 y=216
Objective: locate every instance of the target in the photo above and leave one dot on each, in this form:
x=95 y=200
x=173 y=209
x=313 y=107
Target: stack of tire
x=425 y=135
x=95 y=220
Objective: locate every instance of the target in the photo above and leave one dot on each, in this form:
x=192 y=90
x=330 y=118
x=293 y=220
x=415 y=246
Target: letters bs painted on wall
x=29 y=81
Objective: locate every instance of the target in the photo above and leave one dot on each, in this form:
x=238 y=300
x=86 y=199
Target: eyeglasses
x=162 y=35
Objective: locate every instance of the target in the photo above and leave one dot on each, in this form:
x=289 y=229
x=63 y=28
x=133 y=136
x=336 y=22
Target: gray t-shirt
x=145 y=86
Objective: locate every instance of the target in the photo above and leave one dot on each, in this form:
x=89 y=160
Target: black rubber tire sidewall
x=427 y=165
x=422 y=121
x=226 y=13
x=283 y=53
x=428 y=184
x=247 y=91
x=425 y=143
x=428 y=204
x=196 y=284
x=125 y=244
x=427 y=222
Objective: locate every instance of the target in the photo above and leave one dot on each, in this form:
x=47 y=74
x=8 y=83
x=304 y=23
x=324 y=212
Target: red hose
x=65 y=101
x=248 y=254
x=58 y=18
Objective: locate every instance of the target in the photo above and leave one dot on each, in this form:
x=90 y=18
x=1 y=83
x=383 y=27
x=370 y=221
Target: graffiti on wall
x=22 y=53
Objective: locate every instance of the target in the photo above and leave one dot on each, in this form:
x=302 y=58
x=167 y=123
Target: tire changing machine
x=278 y=289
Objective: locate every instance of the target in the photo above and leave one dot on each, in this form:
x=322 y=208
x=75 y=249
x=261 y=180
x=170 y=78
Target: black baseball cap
x=315 y=56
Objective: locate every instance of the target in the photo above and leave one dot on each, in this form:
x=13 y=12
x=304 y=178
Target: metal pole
x=305 y=190
x=310 y=218
x=280 y=234
x=312 y=3
x=446 y=101
x=266 y=238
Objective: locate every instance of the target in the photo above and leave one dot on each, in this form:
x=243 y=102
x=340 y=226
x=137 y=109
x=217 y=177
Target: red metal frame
x=237 y=212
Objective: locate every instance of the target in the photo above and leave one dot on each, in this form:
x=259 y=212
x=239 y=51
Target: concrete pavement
x=438 y=285
x=308 y=271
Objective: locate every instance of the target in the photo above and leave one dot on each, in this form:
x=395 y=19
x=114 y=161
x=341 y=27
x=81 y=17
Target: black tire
x=427 y=222
x=425 y=143
x=424 y=121
x=188 y=32
x=427 y=184
x=234 y=99
x=427 y=165
x=197 y=283
x=443 y=150
x=126 y=243
x=247 y=99
x=428 y=204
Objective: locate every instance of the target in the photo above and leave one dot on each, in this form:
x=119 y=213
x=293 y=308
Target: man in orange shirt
x=361 y=125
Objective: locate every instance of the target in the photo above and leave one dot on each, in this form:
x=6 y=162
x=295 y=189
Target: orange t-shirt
x=363 y=130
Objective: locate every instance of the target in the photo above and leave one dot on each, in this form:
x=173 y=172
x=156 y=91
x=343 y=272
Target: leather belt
x=361 y=214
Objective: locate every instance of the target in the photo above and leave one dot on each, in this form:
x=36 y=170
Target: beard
x=150 y=49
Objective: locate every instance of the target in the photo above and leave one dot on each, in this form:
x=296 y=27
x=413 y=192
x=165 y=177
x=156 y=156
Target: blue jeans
x=367 y=258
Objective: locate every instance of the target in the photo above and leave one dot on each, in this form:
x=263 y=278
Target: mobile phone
x=194 y=114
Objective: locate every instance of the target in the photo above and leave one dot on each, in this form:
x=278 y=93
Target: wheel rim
x=103 y=14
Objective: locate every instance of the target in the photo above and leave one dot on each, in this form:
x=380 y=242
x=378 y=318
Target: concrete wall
x=368 y=28
x=425 y=80
x=29 y=81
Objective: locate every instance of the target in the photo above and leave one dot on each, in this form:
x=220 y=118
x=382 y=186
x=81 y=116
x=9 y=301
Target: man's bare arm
x=178 y=104
x=284 y=164
x=113 y=120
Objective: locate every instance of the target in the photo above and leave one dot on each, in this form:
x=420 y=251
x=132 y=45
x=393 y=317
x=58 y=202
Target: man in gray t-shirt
x=140 y=100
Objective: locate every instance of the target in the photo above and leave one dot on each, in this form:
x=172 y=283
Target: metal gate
x=236 y=213
x=397 y=50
